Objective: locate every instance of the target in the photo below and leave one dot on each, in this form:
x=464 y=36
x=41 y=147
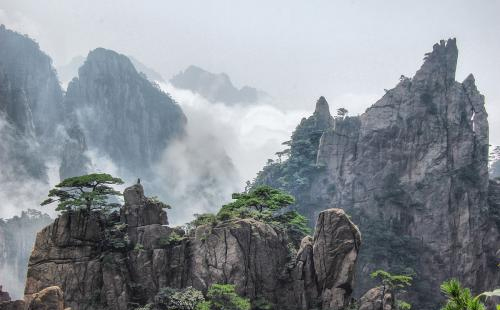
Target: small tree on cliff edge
x=392 y=283
x=90 y=192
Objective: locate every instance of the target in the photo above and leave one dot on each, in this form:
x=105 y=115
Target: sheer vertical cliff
x=413 y=172
x=30 y=101
x=121 y=113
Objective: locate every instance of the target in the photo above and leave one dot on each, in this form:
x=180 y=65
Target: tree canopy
x=266 y=204
x=224 y=297
x=90 y=192
x=393 y=283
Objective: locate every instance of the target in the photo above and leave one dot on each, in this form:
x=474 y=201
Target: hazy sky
x=348 y=51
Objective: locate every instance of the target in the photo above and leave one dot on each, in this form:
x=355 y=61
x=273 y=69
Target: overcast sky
x=348 y=51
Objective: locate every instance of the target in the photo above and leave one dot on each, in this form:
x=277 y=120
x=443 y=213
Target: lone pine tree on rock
x=91 y=192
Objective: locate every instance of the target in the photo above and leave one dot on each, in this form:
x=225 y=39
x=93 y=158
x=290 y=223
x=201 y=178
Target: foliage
x=403 y=305
x=295 y=174
x=155 y=200
x=203 y=219
x=224 y=297
x=459 y=298
x=261 y=303
x=115 y=236
x=178 y=299
x=341 y=112
x=266 y=204
x=92 y=192
x=393 y=283
x=173 y=239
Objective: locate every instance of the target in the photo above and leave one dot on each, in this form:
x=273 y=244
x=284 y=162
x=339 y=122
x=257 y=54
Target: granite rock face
x=412 y=171
x=30 y=105
x=74 y=254
x=50 y=298
x=121 y=113
x=376 y=299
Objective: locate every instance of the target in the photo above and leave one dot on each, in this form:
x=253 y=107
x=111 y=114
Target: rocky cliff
x=30 y=101
x=121 y=113
x=413 y=172
x=121 y=261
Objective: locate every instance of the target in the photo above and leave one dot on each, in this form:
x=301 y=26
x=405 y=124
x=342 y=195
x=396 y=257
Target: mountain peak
x=322 y=107
x=440 y=64
x=105 y=60
x=216 y=87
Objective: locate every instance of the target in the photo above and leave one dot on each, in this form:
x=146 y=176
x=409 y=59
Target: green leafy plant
x=224 y=297
x=173 y=239
x=89 y=192
x=461 y=298
x=266 y=204
x=178 y=299
x=392 y=283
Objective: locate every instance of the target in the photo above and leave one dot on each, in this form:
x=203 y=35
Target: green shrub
x=224 y=297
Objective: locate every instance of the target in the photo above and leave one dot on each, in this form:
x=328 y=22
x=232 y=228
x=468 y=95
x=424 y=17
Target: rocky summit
x=121 y=113
x=412 y=171
x=81 y=253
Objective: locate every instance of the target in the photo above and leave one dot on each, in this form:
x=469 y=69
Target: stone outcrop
x=376 y=299
x=50 y=298
x=335 y=269
x=4 y=296
x=77 y=254
x=412 y=171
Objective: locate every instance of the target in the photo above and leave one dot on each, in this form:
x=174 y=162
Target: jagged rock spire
x=322 y=114
x=439 y=65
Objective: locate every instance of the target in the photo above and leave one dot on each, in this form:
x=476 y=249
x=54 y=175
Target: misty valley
x=122 y=189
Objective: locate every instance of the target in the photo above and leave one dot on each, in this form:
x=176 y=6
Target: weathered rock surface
x=412 y=171
x=73 y=254
x=121 y=113
x=335 y=269
x=50 y=298
x=376 y=299
x=4 y=296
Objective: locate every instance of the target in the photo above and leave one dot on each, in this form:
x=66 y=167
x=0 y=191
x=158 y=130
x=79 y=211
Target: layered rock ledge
x=78 y=254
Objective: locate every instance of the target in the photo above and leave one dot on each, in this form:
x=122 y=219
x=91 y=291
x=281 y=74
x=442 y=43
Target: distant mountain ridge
x=70 y=70
x=215 y=87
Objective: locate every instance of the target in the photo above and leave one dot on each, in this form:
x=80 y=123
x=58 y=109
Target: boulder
x=50 y=298
x=335 y=251
x=376 y=299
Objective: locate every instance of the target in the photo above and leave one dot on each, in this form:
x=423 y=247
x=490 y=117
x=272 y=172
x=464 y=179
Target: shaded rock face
x=30 y=101
x=72 y=253
x=215 y=87
x=412 y=171
x=121 y=113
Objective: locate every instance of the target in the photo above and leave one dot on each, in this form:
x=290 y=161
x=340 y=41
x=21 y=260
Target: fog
x=294 y=50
